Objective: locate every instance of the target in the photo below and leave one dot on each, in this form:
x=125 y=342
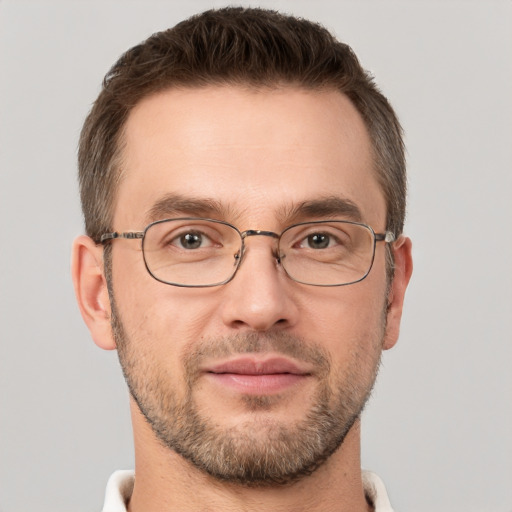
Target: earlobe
x=91 y=290
x=403 y=271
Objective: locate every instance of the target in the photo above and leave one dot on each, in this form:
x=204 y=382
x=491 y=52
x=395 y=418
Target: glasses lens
x=327 y=253
x=191 y=252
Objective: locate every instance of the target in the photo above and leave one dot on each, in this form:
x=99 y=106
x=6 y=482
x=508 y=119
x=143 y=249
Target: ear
x=403 y=270
x=91 y=290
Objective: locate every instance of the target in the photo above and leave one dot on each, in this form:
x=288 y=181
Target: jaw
x=164 y=479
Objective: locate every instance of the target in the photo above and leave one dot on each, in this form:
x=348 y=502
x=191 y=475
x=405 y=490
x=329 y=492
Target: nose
x=260 y=297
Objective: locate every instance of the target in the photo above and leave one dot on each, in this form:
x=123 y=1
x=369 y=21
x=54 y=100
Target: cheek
x=350 y=323
x=349 y=311
x=161 y=318
x=356 y=339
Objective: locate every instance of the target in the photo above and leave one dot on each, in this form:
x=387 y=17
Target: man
x=243 y=187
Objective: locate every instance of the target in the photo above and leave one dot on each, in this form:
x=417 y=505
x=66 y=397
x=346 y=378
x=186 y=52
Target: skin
x=258 y=154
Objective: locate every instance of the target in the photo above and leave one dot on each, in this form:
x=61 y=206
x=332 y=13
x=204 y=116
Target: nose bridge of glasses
x=259 y=232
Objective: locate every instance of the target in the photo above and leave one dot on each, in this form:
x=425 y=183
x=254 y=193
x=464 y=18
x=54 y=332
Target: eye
x=318 y=241
x=192 y=240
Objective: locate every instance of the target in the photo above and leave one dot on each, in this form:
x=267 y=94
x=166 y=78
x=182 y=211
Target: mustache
x=256 y=343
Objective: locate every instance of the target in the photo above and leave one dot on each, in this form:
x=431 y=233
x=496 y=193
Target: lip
x=255 y=366
x=250 y=375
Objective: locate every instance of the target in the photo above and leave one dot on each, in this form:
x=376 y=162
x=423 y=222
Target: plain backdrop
x=438 y=429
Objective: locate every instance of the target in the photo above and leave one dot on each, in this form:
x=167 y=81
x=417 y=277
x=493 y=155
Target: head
x=233 y=46
x=260 y=120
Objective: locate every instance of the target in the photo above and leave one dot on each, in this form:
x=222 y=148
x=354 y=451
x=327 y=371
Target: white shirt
x=120 y=488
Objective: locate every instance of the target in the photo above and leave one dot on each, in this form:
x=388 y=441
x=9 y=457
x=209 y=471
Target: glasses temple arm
x=387 y=237
x=112 y=236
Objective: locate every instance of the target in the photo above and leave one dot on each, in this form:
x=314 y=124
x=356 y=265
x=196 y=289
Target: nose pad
x=239 y=256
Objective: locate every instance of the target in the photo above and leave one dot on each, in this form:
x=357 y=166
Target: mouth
x=251 y=375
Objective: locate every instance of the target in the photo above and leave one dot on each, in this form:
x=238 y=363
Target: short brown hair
x=235 y=45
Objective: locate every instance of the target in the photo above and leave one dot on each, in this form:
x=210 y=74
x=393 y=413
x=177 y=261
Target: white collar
x=376 y=491
x=120 y=488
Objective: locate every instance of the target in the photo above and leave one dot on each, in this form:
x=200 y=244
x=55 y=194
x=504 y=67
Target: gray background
x=439 y=428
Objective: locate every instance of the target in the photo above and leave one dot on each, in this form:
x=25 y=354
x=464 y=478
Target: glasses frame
x=387 y=237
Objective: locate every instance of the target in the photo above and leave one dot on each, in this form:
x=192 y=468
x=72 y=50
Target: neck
x=165 y=481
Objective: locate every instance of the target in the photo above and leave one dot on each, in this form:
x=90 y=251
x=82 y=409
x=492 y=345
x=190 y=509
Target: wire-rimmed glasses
x=198 y=252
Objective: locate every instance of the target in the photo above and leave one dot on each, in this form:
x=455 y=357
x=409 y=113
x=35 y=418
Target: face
x=259 y=380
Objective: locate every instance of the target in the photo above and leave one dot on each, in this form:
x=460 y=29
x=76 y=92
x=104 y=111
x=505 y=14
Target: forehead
x=251 y=152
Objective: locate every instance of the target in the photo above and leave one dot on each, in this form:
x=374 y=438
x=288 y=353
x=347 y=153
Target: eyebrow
x=176 y=205
x=331 y=206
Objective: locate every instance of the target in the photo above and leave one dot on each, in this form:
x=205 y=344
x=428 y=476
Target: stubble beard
x=263 y=452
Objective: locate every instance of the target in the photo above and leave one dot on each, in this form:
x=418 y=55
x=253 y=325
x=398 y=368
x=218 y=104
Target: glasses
x=196 y=252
